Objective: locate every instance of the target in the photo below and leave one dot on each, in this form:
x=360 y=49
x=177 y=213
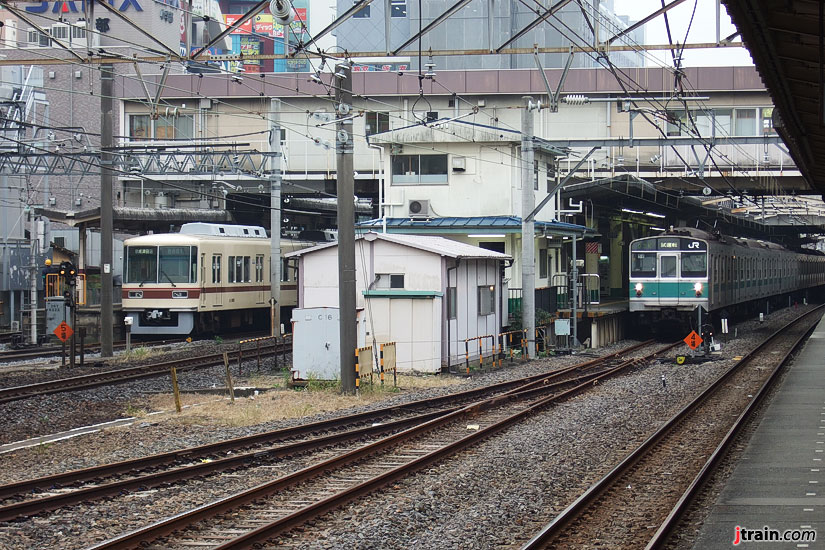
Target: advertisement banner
x=230 y=19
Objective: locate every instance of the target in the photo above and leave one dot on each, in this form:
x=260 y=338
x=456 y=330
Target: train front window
x=667 y=267
x=694 y=264
x=643 y=264
x=177 y=264
x=141 y=264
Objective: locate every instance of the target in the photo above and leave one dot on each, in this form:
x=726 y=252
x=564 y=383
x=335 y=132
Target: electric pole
x=528 y=253
x=346 y=227
x=107 y=88
x=275 y=216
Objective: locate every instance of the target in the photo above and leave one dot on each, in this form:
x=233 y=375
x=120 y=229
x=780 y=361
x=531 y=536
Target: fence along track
x=619 y=499
x=334 y=482
x=188 y=463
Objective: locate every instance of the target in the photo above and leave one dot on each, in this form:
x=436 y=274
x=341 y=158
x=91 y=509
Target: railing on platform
x=56 y=286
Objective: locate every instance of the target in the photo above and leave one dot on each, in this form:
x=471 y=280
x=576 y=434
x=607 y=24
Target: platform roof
x=783 y=38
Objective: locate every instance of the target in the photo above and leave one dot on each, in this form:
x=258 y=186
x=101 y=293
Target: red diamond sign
x=693 y=340
x=63 y=331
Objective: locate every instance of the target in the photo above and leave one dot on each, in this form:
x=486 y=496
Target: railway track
x=117 y=376
x=54 y=351
x=649 y=490
x=112 y=479
x=335 y=477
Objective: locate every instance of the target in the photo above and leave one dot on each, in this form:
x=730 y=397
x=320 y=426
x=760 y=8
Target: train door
x=259 y=279
x=668 y=279
x=203 y=281
x=216 y=296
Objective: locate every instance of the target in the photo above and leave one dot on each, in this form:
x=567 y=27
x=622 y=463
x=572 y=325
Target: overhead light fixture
x=655 y=215
x=629 y=211
x=657 y=228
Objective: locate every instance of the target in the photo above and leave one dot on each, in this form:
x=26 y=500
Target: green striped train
x=673 y=273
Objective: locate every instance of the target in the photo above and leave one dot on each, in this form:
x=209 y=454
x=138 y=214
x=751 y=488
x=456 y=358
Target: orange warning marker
x=63 y=331
x=693 y=340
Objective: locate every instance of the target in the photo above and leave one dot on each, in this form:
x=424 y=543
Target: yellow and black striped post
x=480 y=355
x=357 y=372
x=467 y=355
x=381 y=363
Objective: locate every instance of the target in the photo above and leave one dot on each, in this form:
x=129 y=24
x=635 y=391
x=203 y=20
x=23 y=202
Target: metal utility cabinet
x=315 y=343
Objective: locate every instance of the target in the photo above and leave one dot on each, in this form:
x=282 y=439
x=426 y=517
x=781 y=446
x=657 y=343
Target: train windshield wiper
x=162 y=272
x=142 y=282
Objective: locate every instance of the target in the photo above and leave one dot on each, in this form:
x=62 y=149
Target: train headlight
x=698 y=288
x=180 y=294
x=135 y=294
x=639 y=288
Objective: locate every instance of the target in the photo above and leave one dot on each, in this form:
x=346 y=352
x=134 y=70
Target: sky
x=703 y=29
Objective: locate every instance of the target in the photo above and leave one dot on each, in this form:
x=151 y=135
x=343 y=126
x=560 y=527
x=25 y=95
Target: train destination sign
x=693 y=340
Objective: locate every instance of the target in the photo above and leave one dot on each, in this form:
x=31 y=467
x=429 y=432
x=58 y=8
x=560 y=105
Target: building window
x=491 y=245
x=411 y=169
x=389 y=280
x=363 y=13
x=535 y=175
x=398 y=8
x=139 y=127
x=452 y=294
x=216 y=269
x=432 y=116
x=551 y=176
x=542 y=263
x=486 y=300
x=745 y=123
x=142 y=127
x=377 y=122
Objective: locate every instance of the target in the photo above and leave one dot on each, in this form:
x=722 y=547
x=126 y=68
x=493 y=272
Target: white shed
x=427 y=294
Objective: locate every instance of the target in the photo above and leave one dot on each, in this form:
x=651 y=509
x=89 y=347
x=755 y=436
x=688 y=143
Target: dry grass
x=280 y=403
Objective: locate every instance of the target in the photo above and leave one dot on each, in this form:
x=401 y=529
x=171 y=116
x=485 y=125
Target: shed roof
x=436 y=245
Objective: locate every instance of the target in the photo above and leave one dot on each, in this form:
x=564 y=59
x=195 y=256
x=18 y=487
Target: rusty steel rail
x=162 y=528
x=589 y=497
x=118 y=375
x=534 y=383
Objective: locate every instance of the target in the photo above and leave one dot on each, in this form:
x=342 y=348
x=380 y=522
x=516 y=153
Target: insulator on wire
x=576 y=99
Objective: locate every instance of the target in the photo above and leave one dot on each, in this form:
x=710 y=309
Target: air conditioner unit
x=419 y=208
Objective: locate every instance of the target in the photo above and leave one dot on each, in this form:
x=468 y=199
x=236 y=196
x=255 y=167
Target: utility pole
x=528 y=253
x=107 y=88
x=275 y=216
x=346 y=227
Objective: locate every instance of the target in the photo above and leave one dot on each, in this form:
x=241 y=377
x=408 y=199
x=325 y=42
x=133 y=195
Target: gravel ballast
x=492 y=495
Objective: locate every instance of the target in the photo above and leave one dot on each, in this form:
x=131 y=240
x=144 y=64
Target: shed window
x=452 y=294
x=389 y=280
x=486 y=300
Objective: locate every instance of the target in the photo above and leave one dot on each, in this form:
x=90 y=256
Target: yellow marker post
x=176 y=390
x=228 y=377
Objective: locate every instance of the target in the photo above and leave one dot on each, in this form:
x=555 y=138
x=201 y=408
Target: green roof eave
x=403 y=294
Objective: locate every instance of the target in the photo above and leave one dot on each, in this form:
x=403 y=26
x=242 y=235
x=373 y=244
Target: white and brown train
x=206 y=279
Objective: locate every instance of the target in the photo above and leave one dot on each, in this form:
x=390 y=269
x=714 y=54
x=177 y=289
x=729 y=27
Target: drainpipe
x=381 y=213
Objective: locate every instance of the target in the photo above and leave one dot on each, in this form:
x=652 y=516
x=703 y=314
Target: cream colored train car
x=206 y=279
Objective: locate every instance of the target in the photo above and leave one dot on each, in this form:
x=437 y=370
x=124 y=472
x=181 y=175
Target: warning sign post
x=63 y=331
x=693 y=340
